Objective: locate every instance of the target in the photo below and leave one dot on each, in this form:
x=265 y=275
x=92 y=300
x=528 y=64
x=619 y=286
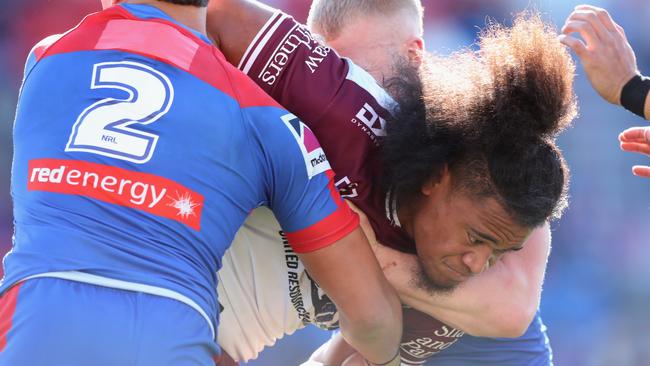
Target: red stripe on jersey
x=328 y=231
x=334 y=192
x=7 y=309
x=164 y=41
x=146 y=192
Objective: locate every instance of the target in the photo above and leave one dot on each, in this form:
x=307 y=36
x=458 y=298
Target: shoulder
x=37 y=52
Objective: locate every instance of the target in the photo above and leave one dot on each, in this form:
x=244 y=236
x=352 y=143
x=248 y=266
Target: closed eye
x=474 y=240
x=504 y=251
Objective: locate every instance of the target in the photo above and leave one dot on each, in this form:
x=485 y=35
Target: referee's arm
x=610 y=65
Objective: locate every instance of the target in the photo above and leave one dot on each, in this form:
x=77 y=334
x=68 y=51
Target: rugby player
x=610 y=64
x=133 y=169
x=287 y=71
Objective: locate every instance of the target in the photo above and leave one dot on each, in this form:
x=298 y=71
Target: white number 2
x=104 y=128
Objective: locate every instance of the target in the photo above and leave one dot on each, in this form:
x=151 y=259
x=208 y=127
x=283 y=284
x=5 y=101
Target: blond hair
x=329 y=17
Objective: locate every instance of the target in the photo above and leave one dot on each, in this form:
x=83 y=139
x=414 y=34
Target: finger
x=636 y=148
x=592 y=18
x=575 y=44
x=641 y=171
x=585 y=7
x=602 y=14
x=635 y=134
x=585 y=30
x=621 y=31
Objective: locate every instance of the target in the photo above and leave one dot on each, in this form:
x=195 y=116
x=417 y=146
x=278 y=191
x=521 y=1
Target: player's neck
x=193 y=17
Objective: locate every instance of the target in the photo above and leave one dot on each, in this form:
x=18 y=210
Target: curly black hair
x=199 y=3
x=489 y=116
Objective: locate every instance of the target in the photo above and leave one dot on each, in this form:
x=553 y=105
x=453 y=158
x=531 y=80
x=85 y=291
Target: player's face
x=458 y=236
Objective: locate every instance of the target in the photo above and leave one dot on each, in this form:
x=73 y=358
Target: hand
x=606 y=55
x=637 y=139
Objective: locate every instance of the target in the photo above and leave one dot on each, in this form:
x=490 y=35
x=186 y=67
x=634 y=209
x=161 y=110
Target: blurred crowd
x=596 y=295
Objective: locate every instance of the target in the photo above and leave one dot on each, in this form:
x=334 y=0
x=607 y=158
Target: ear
x=436 y=183
x=415 y=49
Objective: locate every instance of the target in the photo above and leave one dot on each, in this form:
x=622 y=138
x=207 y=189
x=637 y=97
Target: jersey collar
x=145 y=11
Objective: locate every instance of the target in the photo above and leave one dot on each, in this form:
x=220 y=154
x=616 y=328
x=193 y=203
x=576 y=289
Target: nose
x=477 y=258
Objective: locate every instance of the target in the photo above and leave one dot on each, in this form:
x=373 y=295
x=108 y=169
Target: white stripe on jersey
x=257 y=45
x=128 y=286
x=362 y=78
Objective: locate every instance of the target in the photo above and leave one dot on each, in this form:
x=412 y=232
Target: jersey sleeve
x=310 y=79
x=424 y=336
x=300 y=188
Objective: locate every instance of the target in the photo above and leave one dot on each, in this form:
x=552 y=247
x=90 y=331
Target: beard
x=428 y=283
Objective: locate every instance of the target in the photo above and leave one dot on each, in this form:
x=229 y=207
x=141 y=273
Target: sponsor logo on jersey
x=146 y=192
x=425 y=347
x=346 y=188
x=371 y=119
x=294 y=273
x=314 y=156
x=298 y=37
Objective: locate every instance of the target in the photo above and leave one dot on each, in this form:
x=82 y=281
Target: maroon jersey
x=346 y=109
x=341 y=103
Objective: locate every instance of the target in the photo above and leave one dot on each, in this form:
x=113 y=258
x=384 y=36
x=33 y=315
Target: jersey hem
x=91 y=279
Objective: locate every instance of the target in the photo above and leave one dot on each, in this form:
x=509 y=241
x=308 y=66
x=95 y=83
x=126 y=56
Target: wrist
x=395 y=361
x=634 y=94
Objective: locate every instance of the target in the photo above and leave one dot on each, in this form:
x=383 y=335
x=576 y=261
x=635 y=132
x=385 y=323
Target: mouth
x=456 y=275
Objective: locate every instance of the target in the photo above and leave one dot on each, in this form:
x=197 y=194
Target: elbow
x=517 y=322
x=515 y=319
x=508 y=318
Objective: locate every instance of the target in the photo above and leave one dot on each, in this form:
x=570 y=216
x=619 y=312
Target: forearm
x=377 y=344
x=607 y=56
x=369 y=310
x=500 y=302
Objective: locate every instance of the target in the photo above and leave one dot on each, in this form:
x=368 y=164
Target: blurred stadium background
x=597 y=290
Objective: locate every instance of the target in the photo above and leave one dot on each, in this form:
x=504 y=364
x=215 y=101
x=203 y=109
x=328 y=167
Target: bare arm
x=233 y=24
x=369 y=309
x=609 y=62
x=501 y=302
x=604 y=50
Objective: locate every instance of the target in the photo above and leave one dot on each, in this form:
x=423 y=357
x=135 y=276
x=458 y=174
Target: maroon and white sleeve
x=308 y=78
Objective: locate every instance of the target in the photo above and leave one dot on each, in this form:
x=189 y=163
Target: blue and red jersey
x=139 y=151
